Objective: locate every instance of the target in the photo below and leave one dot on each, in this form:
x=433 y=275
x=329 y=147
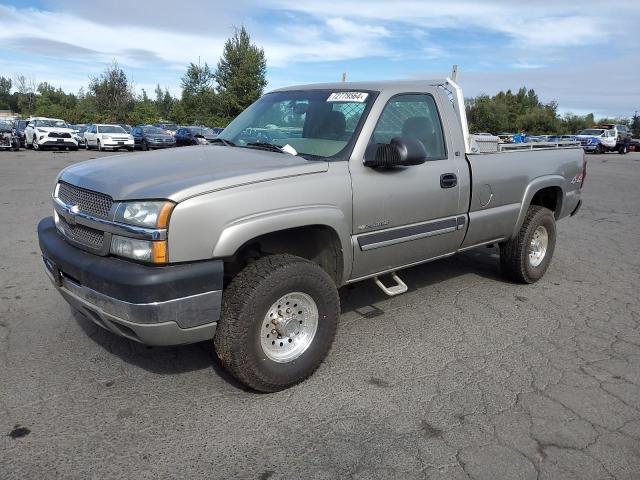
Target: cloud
x=47 y=46
x=316 y=41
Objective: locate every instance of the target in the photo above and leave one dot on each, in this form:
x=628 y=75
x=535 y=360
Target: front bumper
x=117 y=143
x=161 y=144
x=57 y=142
x=155 y=305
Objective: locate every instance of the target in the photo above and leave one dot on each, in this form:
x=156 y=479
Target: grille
x=94 y=203
x=85 y=235
x=59 y=135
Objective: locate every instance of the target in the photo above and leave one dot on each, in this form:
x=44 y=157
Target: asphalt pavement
x=464 y=376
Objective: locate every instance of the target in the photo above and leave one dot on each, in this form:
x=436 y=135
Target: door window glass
x=413 y=116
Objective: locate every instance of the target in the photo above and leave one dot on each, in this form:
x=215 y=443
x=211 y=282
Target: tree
x=113 y=94
x=26 y=87
x=241 y=73
x=199 y=99
x=5 y=93
x=164 y=102
x=635 y=124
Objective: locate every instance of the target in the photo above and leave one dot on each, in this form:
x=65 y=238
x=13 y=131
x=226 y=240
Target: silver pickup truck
x=246 y=241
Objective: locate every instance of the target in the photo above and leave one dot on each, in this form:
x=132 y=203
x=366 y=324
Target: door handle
x=448 y=180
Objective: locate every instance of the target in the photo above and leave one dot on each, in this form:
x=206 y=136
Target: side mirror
x=399 y=152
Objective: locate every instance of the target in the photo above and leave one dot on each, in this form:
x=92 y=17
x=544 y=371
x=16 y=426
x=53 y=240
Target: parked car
x=597 y=140
x=148 y=137
x=42 y=132
x=127 y=127
x=169 y=128
x=9 y=139
x=194 y=136
x=634 y=145
x=79 y=130
x=248 y=242
x=103 y=136
x=217 y=130
x=21 y=125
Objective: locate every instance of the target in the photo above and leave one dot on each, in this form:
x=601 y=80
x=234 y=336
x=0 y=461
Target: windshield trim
x=347 y=150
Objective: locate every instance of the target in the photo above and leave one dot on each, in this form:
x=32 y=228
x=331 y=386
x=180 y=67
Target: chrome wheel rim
x=289 y=327
x=538 y=246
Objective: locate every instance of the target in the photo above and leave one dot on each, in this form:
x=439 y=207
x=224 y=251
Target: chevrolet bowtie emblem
x=72 y=211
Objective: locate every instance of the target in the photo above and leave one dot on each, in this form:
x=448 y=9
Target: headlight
x=106 y=137
x=141 y=250
x=152 y=214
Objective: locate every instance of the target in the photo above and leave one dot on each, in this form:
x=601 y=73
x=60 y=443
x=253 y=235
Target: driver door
x=404 y=215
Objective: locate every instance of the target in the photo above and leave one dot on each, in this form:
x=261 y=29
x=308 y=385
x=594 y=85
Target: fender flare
x=534 y=187
x=242 y=230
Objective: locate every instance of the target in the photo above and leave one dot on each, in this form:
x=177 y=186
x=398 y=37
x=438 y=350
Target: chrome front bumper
x=149 y=323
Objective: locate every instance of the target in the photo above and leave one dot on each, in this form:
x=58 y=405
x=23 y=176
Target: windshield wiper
x=266 y=146
x=273 y=148
x=226 y=143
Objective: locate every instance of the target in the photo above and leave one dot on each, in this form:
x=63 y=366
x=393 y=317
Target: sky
x=584 y=55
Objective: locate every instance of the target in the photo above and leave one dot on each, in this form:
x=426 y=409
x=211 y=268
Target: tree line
x=209 y=96
x=215 y=96
x=524 y=112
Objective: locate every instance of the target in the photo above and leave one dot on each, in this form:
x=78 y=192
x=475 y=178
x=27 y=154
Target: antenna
x=454 y=73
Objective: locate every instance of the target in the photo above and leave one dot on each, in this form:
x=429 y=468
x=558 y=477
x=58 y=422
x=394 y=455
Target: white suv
x=103 y=136
x=42 y=132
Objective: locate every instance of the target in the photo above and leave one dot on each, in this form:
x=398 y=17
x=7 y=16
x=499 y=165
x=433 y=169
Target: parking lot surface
x=465 y=376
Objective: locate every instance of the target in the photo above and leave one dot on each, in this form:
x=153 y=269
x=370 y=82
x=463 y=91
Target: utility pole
x=344 y=76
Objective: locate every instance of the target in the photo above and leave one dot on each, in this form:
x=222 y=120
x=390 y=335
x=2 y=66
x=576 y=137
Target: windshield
x=154 y=130
x=110 y=129
x=170 y=126
x=126 y=128
x=51 y=123
x=5 y=125
x=591 y=131
x=317 y=123
x=201 y=131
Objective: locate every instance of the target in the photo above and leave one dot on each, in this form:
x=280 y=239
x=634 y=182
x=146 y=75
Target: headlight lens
x=141 y=250
x=152 y=214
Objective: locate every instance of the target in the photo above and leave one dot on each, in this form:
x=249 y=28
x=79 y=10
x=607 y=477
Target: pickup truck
x=605 y=138
x=246 y=240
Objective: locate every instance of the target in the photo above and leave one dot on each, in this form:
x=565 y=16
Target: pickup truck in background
x=246 y=241
x=605 y=138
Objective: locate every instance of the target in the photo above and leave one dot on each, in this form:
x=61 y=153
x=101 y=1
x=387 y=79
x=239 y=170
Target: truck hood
x=180 y=173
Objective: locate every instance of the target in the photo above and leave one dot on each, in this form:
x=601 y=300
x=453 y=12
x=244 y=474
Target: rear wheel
x=526 y=257
x=623 y=149
x=600 y=149
x=278 y=322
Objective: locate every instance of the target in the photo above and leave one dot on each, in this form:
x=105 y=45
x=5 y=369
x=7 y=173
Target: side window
x=414 y=116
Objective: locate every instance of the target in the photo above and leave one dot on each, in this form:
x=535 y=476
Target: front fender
x=535 y=186
x=239 y=232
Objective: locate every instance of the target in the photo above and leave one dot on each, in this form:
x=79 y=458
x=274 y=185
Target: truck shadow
x=360 y=298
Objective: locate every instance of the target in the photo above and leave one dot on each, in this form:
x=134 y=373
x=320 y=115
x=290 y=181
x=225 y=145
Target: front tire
x=34 y=143
x=145 y=146
x=279 y=318
x=98 y=146
x=525 y=258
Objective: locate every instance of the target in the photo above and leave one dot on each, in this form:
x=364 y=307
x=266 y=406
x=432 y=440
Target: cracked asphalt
x=465 y=376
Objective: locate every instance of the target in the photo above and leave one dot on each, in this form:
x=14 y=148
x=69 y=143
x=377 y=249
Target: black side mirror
x=399 y=152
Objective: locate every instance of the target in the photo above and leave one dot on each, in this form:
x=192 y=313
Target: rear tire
x=246 y=340
x=623 y=149
x=526 y=257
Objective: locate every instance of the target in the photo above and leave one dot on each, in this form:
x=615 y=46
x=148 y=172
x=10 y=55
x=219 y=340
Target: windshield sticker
x=357 y=97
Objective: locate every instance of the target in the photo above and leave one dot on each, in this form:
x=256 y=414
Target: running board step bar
x=399 y=288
